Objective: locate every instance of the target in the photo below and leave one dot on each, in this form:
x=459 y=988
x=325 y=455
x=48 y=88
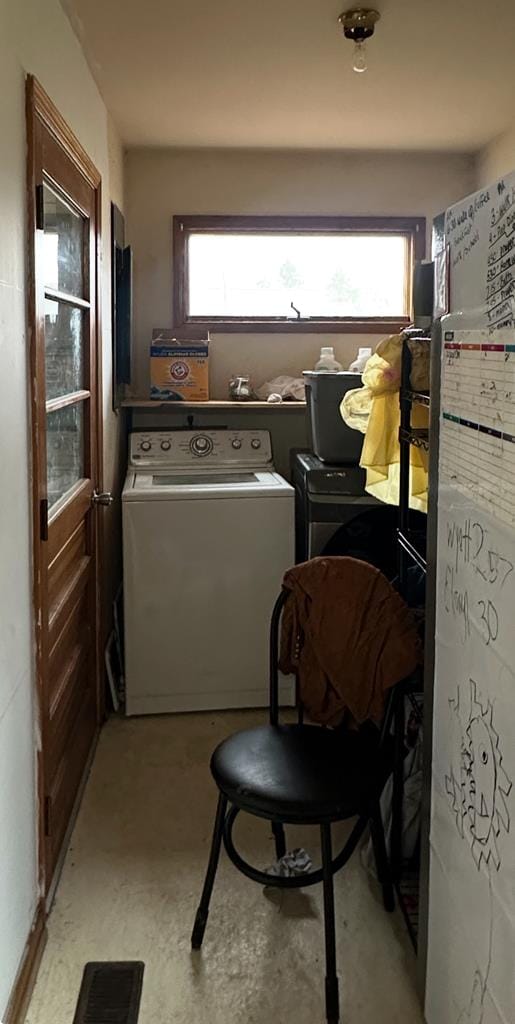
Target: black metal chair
x=302 y=775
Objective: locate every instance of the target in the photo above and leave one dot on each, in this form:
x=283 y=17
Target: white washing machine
x=208 y=532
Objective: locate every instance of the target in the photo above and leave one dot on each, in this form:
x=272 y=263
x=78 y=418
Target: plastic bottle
x=327 y=363
x=360 y=361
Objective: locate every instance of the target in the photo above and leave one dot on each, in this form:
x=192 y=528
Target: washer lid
x=204 y=484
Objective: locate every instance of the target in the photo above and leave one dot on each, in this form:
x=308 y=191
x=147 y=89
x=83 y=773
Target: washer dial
x=201 y=445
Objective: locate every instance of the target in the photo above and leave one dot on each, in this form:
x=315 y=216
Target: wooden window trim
x=414 y=228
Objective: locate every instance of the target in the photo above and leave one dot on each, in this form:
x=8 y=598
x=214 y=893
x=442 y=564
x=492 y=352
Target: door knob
x=102 y=498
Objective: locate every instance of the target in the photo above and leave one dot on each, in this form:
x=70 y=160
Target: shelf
x=417 y=436
x=417 y=335
x=412 y=551
x=410 y=544
x=418 y=397
x=211 y=406
x=408 y=895
x=416 y=701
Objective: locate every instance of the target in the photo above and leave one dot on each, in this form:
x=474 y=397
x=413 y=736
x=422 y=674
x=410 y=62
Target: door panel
x=66 y=708
x=61 y=569
x=72 y=514
x=74 y=634
x=67 y=468
x=66 y=779
x=73 y=583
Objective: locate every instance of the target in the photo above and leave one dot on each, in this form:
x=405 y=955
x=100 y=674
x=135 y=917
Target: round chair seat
x=296 y=773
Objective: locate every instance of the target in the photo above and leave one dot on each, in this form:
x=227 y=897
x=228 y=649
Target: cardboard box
x=179 y=368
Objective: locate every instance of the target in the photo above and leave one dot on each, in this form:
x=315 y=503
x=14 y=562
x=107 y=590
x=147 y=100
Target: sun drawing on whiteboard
x=478 y=788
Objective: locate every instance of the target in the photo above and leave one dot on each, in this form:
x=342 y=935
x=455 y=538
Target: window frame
x=413 y=228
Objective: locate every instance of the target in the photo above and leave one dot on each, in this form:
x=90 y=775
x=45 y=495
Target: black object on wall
x=423 y=292
x=121 y=283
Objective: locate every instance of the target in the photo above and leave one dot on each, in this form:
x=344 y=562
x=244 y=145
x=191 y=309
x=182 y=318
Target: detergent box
x=179 y=368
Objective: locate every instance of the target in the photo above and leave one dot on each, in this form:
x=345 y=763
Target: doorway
x=64 y=233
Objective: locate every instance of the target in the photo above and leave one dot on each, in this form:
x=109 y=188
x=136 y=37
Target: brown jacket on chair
x=348 y=636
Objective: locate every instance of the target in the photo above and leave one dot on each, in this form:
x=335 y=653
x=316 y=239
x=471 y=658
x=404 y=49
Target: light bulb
x=359 y=61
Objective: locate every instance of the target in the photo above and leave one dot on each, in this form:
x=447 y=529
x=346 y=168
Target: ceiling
x=278 y=73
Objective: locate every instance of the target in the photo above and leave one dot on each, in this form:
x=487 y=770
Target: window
x=342 y=274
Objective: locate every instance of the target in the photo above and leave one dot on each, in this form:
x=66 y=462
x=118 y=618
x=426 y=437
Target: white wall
x=161 y=183
x=36 y=37
x=496 y=159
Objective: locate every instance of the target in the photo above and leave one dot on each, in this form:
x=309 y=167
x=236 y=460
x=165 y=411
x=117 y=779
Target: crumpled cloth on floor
x=374 y=410
x=348 y=636
x=295 y=862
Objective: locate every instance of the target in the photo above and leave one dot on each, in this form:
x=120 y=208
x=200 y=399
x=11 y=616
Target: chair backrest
x=275 y=623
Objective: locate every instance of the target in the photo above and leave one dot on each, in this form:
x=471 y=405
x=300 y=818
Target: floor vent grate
x=110 y=993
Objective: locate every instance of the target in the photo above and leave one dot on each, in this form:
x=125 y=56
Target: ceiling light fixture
x=358 y=24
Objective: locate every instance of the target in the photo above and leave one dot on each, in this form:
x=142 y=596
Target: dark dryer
x=334 y=515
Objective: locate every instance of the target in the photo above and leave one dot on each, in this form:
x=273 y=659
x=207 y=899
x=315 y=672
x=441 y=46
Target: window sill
x=195 y=328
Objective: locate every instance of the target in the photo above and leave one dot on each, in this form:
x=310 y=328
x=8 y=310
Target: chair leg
x=280 y=841
x=398 y=788
x=203 y=909
x=332 y=1001
x=384 y=873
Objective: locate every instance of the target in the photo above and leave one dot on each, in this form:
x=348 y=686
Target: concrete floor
x=132 y=879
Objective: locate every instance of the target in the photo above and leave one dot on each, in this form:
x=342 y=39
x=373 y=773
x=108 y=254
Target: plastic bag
x=374 y=410
x=289 y=388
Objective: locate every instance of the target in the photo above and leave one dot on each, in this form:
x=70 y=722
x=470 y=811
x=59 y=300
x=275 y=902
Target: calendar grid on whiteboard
x=477 y=452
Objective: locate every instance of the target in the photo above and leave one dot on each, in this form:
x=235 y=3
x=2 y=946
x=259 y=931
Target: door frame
x=40 y=108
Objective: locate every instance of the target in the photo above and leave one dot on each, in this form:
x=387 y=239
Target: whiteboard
x=471 y=977
x=471 y=941
x=480 y=233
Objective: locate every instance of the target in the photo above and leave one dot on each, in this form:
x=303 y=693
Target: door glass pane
x=64 y=362
x=63 y=252
x=65 y=450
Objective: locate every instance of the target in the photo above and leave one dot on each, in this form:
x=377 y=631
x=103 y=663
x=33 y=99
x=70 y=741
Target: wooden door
x=64 y=224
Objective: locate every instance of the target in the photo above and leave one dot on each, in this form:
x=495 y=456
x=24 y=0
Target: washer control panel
x=179 y=448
